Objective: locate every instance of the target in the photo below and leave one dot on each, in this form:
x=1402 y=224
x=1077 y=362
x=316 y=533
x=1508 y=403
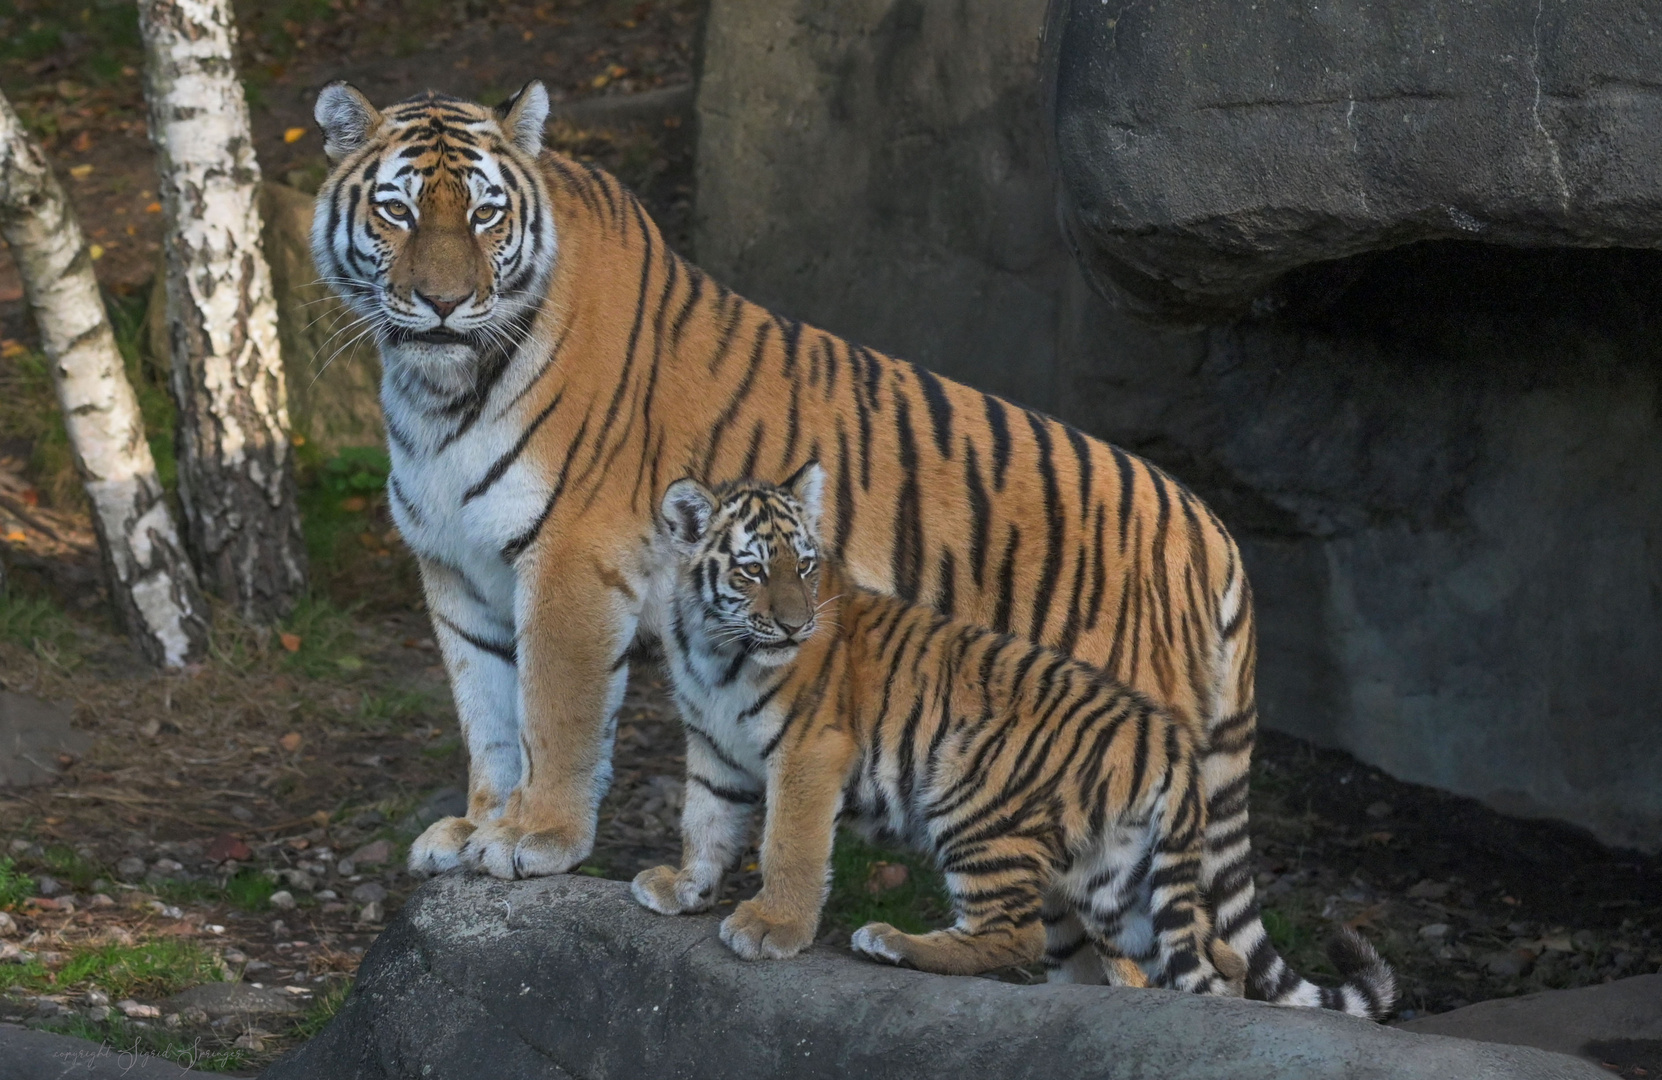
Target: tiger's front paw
x=439 y=848
x=671 y=892
x=756 y=932
x=502 y=849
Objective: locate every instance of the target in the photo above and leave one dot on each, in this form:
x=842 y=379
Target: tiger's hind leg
x=1182 y=927
x=1072 y=956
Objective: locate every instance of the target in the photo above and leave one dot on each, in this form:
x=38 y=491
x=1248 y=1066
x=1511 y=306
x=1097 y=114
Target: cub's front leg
x=576 y=620
x=476 y=639
x=715 y=824
x=805 y=782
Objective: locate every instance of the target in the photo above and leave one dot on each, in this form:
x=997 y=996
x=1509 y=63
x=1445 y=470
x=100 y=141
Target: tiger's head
x=434 y=223
x=749 y=563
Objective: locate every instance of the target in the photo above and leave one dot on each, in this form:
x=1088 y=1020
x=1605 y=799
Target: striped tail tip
x=1370 y=986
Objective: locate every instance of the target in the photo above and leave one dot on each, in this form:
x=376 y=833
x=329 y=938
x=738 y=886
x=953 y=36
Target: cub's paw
x=879 y=941
x=439 y=848
x=756 y=933
x=671 y=892
x=654 y=890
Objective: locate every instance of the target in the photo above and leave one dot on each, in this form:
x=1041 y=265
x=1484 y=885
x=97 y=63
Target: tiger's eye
x=483 y=215
x=394 y=208
x=805 y=566
x=751 y=570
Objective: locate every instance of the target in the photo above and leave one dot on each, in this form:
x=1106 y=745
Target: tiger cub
x=1057 y=802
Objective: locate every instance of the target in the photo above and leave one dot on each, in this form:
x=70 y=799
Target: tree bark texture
x=151 y=581
x=236 y=466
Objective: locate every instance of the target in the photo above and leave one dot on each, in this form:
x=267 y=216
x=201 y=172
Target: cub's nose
x=788 y=629
x=442 y=307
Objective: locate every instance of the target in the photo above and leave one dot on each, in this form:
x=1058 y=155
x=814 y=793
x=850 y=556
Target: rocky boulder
x=1208 y=147
x=568 y=977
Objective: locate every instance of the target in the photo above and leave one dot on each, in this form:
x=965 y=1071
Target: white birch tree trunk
x=151 y=580
x=236 y=467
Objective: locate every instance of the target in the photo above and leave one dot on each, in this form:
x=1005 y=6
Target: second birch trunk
x=236 y=466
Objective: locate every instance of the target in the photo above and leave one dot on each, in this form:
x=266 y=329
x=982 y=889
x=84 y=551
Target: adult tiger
x=550 y=365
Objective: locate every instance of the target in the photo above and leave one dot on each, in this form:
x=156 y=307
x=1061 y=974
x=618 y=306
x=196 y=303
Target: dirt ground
x=207 y=833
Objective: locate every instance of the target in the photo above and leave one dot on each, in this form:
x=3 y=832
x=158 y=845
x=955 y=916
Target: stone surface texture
x=32 y=735
x=40 y=1055
x=568 y=977
x=1207 y=147
x=1618 y=1023
x=1443 y=463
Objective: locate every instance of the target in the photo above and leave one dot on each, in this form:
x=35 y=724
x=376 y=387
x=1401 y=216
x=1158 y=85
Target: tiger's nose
x=443 y=307
x=788 y=629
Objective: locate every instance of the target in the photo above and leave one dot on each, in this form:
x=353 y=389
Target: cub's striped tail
x=1369 y=988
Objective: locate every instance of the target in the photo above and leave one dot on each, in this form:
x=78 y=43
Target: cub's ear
x=807 y=484
x=687 y=509
x=346 y=117
x=524 y=115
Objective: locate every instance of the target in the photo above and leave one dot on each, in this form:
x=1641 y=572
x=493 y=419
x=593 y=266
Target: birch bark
x=236 y=467
x=151 y=580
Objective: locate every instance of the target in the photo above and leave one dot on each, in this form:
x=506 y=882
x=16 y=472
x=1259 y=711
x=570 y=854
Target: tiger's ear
x=346 y=117
x=524 y=115
x=687 y=509
x=807 y=485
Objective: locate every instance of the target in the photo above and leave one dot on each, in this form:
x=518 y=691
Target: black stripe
x=940 y=409
x=1053 y=529
x=997 y=421
x=1007 y=582
x=725 y=794
x=907 y=560
x=508 y=653
x=501 y=464
x=980 y=512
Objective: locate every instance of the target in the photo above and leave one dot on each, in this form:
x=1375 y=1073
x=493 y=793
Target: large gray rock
x=33 y=733
x=1619 y=1023
x=41 y=1055
x=1207 y=147
x=568 y=977
x=1447 y=487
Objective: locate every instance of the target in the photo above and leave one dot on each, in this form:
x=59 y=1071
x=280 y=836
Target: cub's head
x=434 y=223
x=749 y=560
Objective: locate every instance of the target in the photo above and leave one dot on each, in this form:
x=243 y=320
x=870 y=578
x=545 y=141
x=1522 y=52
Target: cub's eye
x=805 y=566
x=395 y=210
x=751 y=570
x=486 y=215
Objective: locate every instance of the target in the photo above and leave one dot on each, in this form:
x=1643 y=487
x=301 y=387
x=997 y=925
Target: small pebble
x=370 y=892
x=372 y=854
x=47 y=886
x=1436 y=931
x=346 y=868
x=100 y=900
x=194 y=1015
x=1379 y=810
x=250 y=1041
x=327 y=894
x=135 y=1011
x=235 y=956
x=8 y=925
x=173 y=1020
x=282 y=900
x=99 y=1013
x=371 y=913
x=130 y=868
x=97 y=997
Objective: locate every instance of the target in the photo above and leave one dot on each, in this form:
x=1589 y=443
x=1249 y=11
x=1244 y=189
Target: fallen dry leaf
x=291 y=742
x=291 y=642
x=885 y=877
x=294 y=134
x=81 y=172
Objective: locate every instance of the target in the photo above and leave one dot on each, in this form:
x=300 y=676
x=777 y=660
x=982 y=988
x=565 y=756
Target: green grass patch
x=250 y=890
x=378 y=711
x=15 y=885
x=121 y=1036
x=64 y=864
x=919 y=905
x=324 y=1009
x=35 y=622
x=154 y=969
x=326 y=639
